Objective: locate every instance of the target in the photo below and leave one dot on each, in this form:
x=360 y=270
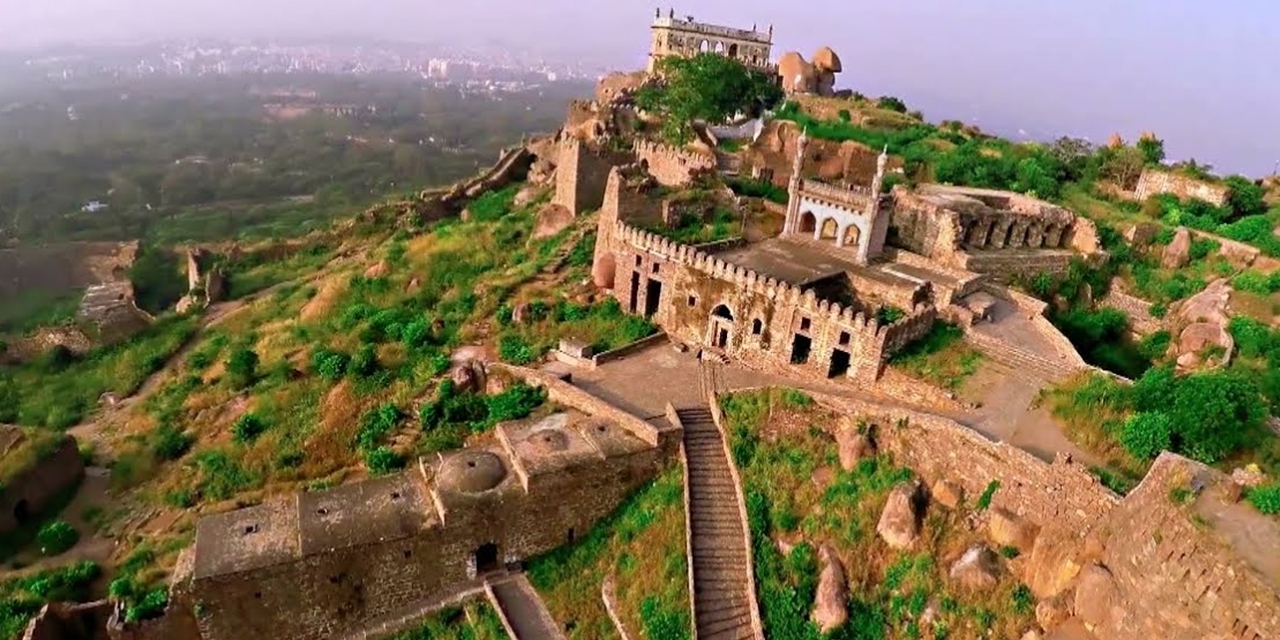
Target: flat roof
x=246 y=539
x=376 y=510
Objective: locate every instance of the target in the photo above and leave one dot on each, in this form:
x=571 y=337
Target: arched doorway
x=807 y=222
x=720 y=48
x=704 y=46
x=830 y=229
x=720 y=330
x=851 y=236
x=733 y=51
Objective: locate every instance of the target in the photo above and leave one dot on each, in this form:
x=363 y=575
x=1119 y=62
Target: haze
x=1202 y=75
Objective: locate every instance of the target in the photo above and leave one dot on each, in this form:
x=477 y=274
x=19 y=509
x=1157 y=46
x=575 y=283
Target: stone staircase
x=720 y=563
x=1020 y=360
x=522 y=610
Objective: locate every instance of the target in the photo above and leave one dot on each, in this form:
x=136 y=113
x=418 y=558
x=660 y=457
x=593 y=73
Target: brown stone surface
x=1052 y=612
x=1008 y=530
x=1178 y=252
x=978 y=569
x=831 y=602
x=947 y=493
x=852 y=446
x=1096 y=595
x=1200 y=324
x=1155 y=181
x=899 y=524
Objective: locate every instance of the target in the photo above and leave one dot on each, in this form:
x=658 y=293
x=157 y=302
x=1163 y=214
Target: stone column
x=1018 y=235
x=1053 y=236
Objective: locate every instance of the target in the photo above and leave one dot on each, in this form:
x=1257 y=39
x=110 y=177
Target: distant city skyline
x=1201 y=76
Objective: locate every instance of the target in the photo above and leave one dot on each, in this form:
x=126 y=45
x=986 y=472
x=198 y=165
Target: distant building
x=93 y=206
x=686 y=38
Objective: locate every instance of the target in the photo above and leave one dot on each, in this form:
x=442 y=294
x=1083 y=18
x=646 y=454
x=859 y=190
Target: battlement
x=836 y=195
x=702 y=28
x=672 y=166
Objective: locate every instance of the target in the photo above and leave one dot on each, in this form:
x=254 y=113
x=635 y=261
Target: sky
x=1203 y=75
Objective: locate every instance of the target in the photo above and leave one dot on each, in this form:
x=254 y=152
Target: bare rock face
x=525 y=195
x=830 y=608
x=1096 y=595
x=466 y=376
x=1032 y=634
x=1008 y=530
x=900 y=521
x=1052 y=612
x=978 y=569
x=378 y=270
x=853 y=446
x=414 y=286
x=1200 y=324
x=520 y=313
x=947 y=493
x=1178 y=253
x=551 y=219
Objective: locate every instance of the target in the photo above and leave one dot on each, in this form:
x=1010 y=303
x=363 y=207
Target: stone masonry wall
x=671 y=166
x=581 y=175
x=1155 y=181
x=31 y=492
x=1141 y=322
x=924 y=228
x=766 y=323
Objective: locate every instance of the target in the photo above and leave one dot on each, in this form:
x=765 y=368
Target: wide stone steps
x=1019 y=360
x=719 y=557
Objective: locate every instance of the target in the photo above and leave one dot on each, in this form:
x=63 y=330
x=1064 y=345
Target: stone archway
x=720 y=327
x=852 y=234
x=808 y=222
x=830 y=229
x=719 y=49
x=704 y=46
x=733 y=50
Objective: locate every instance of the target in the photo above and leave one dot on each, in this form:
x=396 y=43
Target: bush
x=247 y=428
x=513 y=349
x=376 y=424
x=1214 y=413
x=56 y=537
x=1202 y=247
x=891 y=103
x=169 y=443
x=242 y=367
x=364 y=364
x=984 y=500
x=1265 y=498
x=515 y=403
x=1145 y=435
x=383 y=460
x=330 y=365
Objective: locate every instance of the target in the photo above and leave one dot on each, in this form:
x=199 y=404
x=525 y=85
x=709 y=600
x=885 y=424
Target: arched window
x=704 y=46
x=851 y=235
x=807 y=222
x=722 y=311
x=733 y=51
x=757 y=327
x=829 y=229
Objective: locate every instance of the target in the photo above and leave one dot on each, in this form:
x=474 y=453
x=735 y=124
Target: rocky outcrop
x=899 y=523
x=1178 y=252
x=853 y=446
x=978 y=569
x=1096 y=595
x=1200 y=324
x=112 y=314
x=830 y=605
x=947 y=493
x=1007 y=530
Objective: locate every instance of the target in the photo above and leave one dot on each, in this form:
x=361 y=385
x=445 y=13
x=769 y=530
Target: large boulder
x=1052 y=612
x=900 y=521
x=1008 y=530
x=467 y=376
x=947 y=493
x=978 y=569
x=830 y=604
x=1096 y=595
x=1200 y=324
x=853 y=446
x=1178 y=252
x=378 y=269
x=550 y=220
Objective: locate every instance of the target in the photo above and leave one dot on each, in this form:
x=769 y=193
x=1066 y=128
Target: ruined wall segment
x=581 y=175
x=672 y=166
x=36 y=468
x=1157 y=181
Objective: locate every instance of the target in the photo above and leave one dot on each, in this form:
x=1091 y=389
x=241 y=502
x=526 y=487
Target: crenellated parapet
x=672 y=166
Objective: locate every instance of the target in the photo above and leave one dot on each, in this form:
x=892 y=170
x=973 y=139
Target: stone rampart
x=1010 y=266
x=700 y=299
x=581 y=176
x=1141 y=322
x=111 y=312
x=1157 y=181
x=672 y=166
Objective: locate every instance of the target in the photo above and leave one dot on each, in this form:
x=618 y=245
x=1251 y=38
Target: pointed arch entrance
x=720 y=327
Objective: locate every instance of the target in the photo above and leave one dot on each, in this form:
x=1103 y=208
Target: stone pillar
x=1018 y=235
x=978 y=232
x=1053 y=236
x=1035 y=235
x=999 y=233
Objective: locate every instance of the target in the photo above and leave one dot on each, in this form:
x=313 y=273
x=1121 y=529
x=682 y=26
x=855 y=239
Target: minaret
x=793 y=185
x=878 y=182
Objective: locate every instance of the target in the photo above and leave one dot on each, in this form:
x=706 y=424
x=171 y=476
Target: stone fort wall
x=30 y=492
x=581 y=175
x=1155 y=181
x=770 y=324
x=672 y=166
x=1167 y=570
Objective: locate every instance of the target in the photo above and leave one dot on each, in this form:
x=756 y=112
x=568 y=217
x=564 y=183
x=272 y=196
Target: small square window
x=655 y=267
x=804 y=324
x=844 y=338
x=693 y=301
x=637 y=261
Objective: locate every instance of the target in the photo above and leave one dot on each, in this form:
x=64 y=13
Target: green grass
x=475 y=620
x=32 y=308
x=940 y=357
x=21 y=598
x=722 y=224
x=61 y=396
x=889 y=589
x=642 y=546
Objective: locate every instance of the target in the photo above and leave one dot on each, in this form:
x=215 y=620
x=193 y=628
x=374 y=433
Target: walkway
x=722 y=586
x=522 y=611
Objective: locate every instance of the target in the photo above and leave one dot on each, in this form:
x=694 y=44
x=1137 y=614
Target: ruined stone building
x=333 y=563
x=36 y=467
x=1154 y=182
x=686 y=38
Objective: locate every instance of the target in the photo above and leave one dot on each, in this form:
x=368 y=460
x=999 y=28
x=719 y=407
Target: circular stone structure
x=472 y=472
x=551 y=440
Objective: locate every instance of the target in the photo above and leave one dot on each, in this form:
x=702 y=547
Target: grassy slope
x=942 y=358
x=779 y=442
x=476 y=620
x=642 y=546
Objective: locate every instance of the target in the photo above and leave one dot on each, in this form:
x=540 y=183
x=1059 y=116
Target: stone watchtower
x=687 y=38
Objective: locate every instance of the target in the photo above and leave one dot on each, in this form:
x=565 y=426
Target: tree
x=1145 y=435
x=1214 y=413
x=1121 y=165
x=1151 y=148
x=892 y=103
x=1077 y=156
x=1246 y=197
x=706 y=87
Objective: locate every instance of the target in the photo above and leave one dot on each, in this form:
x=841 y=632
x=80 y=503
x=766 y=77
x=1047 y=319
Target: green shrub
x=1202 y=247
x=984 y=500
x=221 y=477
x=513 y=349
x=383 y=460
x=376 y=424
x=364 y=364
x=516 y=402
x=1145 y=435
x=889 y=314
x=242 y=367
x=169 y=443
x=891 y=103
x=1024 y=601
x=56 y=537
x=1265 y=498
x=330 y=365
x=247 y=428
